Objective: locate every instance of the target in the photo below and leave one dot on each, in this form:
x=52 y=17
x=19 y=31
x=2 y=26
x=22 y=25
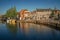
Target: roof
x=47 y=10
x=43 y=9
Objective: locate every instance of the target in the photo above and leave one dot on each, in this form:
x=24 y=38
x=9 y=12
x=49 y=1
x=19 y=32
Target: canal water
x=28 y=31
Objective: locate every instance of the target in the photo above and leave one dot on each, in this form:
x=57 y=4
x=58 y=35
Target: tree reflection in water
x=12 y=29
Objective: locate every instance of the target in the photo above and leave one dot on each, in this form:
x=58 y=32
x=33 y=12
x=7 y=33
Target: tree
x=11 y=12
x=52 y=14
x=59 y=16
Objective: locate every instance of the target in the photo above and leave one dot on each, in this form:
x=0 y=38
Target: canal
x=28 y=31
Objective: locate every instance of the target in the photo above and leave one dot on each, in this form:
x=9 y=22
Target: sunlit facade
x=44 y=14
x=41 y=14
x=24 y=14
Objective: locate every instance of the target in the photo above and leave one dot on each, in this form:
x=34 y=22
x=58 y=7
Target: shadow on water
x=54 y=27
x=51 y=26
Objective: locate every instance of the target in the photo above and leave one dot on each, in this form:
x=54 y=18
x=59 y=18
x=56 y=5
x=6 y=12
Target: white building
x=41 y=14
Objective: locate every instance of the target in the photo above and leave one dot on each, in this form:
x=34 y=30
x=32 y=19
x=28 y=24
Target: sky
x=28 y=4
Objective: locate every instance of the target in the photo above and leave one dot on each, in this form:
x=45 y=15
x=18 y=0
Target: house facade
x=24 y=14
x=41 y=14
x=38 y=14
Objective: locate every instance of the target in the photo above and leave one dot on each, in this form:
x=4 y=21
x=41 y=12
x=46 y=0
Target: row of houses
x=38 y=14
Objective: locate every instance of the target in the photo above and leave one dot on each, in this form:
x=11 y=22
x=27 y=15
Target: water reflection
x=29 y=31
x=12 y=28
x=35 y=31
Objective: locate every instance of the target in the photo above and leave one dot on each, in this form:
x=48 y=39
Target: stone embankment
x=45 y=22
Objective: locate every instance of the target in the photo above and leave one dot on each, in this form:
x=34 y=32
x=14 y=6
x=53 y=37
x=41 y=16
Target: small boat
x=8 y=21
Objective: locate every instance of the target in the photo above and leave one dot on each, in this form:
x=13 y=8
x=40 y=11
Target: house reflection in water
x=29 y=29
x=24 y=27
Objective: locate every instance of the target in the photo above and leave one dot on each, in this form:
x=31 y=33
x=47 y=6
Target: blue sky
x=28 y=4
